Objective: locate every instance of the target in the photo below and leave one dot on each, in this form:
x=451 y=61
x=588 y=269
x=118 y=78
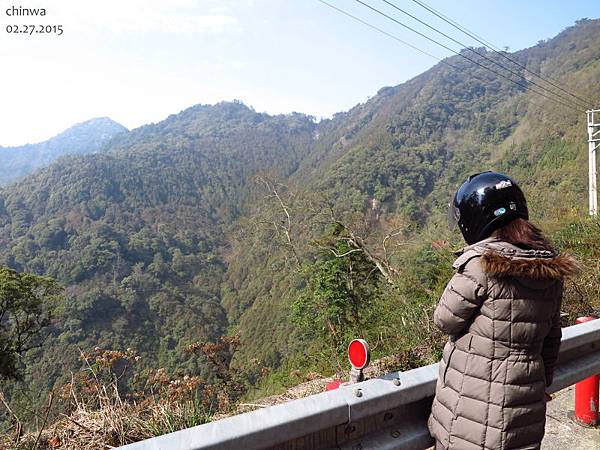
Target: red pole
x=586 y=394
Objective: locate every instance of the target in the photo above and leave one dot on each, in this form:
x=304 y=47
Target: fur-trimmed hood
x=557 y=267
x=501 y=259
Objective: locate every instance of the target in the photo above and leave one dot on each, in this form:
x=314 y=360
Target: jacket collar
x=501 y=259
x=496 y=245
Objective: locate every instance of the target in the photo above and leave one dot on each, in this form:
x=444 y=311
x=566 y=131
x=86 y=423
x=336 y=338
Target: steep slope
x=81 y=139
x=399 y=156
x=427 y=131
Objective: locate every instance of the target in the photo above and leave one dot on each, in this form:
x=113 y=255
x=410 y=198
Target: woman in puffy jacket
x=501 y=311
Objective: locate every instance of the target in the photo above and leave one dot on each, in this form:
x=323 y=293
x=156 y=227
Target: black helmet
x=484 y=203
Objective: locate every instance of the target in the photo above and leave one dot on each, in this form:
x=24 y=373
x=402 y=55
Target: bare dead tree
x=358 y=243
x=285 y=226
x=379 y=240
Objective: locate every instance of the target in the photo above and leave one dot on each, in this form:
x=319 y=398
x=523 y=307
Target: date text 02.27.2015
x=35 y=29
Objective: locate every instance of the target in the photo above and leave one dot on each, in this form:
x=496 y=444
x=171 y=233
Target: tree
x=27 y=303
x=342 y=285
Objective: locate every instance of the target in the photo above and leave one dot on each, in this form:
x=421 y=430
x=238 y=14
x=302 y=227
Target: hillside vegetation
x=270 y=241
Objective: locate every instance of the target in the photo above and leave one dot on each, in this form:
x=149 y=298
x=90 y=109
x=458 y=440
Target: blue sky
x=137 y=61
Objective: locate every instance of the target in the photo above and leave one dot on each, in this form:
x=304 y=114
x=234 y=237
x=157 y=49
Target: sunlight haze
x=139 y=61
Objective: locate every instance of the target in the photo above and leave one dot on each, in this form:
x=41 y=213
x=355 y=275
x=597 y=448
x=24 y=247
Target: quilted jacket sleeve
x=551 y=346
x=463 y=295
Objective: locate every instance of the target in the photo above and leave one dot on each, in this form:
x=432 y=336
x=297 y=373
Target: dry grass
x=115 y=424
x=98 y=417
x=94 y=414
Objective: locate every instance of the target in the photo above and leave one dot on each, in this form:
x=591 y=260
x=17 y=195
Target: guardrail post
x=586 y=394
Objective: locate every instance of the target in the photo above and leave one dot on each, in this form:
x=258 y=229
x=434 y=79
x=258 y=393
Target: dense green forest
x=81 y=139
x=291 y=234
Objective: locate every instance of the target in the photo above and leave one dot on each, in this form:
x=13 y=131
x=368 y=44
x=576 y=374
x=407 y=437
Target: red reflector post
x=586 y=394
x=358 y=354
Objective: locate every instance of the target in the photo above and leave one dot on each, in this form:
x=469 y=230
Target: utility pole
x=593 y=120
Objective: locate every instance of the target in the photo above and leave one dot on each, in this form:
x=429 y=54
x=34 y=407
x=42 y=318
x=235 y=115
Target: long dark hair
x=523 y=234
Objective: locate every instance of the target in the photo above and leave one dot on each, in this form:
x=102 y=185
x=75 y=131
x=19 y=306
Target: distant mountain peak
x=97 y=125
x=80 y=139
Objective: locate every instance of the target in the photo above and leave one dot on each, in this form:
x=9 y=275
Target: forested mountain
x=293 y=234
x=81 y=139
x=137 y=233
x=396 y=160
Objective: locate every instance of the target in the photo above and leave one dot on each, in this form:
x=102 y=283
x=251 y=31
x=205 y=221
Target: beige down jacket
x=502 y=312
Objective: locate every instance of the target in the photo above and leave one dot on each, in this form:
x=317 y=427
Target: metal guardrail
x=384 y=413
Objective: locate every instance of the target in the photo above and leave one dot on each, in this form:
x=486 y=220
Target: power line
x=467 y=58
x=435 y=57
x=452 y=22
x=443 y=61
x=497 y=50
x=386 y=33
x=545 y=89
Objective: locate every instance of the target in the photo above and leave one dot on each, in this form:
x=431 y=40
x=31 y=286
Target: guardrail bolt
x=350 y=429
x=358 y=393
x=397 y=382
